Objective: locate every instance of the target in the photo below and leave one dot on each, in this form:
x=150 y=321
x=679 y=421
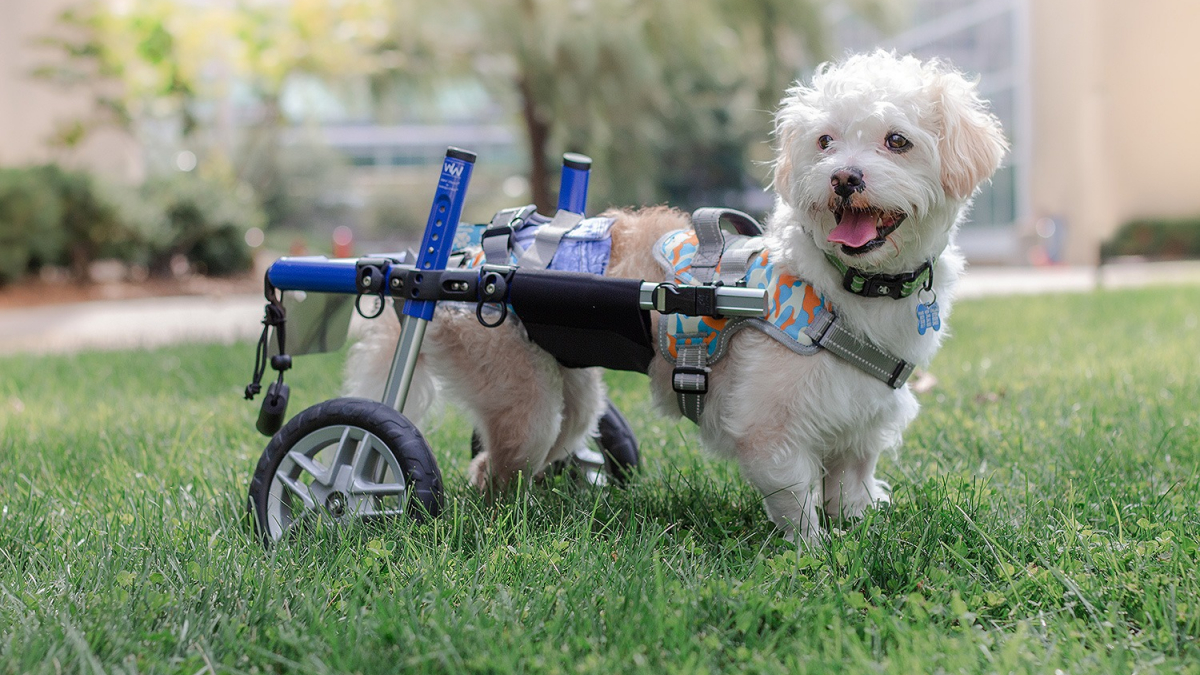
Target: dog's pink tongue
x=855 y=230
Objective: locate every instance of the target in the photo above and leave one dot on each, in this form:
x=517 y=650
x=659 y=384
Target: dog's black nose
x=847 y=181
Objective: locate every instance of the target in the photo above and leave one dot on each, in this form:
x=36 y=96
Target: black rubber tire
x=615 y=439
x=619 y=445
x=410 y=449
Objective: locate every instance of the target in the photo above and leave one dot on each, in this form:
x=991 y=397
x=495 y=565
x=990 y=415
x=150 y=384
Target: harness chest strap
x=827 y=332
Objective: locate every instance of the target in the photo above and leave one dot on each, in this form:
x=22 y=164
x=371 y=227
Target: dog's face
x=879 y=155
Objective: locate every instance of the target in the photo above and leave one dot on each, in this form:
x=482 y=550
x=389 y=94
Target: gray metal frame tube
x=404 y=363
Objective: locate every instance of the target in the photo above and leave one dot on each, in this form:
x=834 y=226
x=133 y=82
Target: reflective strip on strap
x=546 y=241
x=827 y=332
x=690 y=379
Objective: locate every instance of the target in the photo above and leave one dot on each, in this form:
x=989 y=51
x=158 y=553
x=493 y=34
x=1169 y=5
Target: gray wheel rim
x=590 y=460
x=339 y=472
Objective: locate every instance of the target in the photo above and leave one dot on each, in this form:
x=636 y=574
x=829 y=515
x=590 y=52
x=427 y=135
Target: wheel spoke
x=362 y=487
x=318 y=472
x=347 y=449
x=362 y=452
x=299 y=489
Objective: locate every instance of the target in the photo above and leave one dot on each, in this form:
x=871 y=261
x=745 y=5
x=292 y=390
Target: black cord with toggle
x=274 y=405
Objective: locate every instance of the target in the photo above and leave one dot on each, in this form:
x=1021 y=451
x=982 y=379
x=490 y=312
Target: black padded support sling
x=584 y=320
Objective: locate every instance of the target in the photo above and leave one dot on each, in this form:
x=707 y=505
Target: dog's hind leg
x=370 y=361
x=583 y=404
x=512 y=388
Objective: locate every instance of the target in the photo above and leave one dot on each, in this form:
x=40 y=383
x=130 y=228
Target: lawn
x=1045 y=517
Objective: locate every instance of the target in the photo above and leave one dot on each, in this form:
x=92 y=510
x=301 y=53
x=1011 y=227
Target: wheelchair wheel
x=344 y=459
x=609 y=458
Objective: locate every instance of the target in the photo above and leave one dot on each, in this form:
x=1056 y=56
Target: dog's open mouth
x=863 y=230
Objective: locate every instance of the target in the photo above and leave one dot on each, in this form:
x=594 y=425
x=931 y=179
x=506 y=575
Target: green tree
x=173 y=64
x=661 y=92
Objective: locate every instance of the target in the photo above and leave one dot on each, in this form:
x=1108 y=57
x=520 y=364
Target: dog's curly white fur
x=878 y=159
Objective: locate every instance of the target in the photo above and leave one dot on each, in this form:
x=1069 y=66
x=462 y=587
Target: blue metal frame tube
x=443 y=221
x=314 y=274
x=573 y=185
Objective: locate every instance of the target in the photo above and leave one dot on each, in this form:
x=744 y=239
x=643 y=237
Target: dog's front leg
x=851 y=486
x=790 y=492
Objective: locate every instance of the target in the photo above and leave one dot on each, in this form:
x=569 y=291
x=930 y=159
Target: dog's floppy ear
x=781 y=180
x=970 y=141
x=790 y=122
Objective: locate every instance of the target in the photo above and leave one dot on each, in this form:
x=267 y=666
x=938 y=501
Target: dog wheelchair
x=352 y=458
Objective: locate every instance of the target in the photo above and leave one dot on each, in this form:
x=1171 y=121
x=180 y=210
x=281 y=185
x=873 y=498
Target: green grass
x=1046 y=510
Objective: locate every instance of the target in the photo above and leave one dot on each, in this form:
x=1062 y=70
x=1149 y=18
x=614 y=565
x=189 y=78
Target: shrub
x=90 y=223
x=53 y=216
x=204 y=220
x=1155 y=239
x=30 y=223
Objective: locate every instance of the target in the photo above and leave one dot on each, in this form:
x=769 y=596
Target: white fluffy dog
x=878 y=159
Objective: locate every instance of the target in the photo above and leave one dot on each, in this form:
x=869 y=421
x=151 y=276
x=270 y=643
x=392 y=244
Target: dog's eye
x=824 y=141
x=898 y=142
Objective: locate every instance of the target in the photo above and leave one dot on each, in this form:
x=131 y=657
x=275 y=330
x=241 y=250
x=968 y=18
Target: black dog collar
x=895 y=286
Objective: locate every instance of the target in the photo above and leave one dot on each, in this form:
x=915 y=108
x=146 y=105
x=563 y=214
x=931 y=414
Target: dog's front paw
x=854 y=499
x=479 y=472
x=812 y=538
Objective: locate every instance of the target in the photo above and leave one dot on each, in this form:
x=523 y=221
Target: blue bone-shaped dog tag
x=928 y=317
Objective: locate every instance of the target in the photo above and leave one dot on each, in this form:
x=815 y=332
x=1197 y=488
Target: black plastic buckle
x=701 y=386
x=506 y=230
x=689 y=300
x=884 y=288
x=880 y=285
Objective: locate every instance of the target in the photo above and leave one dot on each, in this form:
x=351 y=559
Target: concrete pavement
x=127 y=324
x=153 y=322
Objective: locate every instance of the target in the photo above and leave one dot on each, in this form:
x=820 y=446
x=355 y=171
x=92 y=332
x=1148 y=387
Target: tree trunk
x=538 y=132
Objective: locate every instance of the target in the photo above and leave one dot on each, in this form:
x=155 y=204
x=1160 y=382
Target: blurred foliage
x=1155 y=239
x=30 y=222
x=168 y=60
x=50 y=216
x=202 y=219
x=672 y=98
x=155 y=64
x=302 y=185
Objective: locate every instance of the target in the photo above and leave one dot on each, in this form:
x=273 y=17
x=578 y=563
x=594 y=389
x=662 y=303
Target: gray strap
x=690 y=379
x=546 y=241
x=742 y=222
x=497 y=238
x=710 y=243
x=736 y=259
x=827 y=332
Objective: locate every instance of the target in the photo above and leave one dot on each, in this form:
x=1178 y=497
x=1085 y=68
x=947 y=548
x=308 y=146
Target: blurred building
x=1098 y=99
x=33 y=110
